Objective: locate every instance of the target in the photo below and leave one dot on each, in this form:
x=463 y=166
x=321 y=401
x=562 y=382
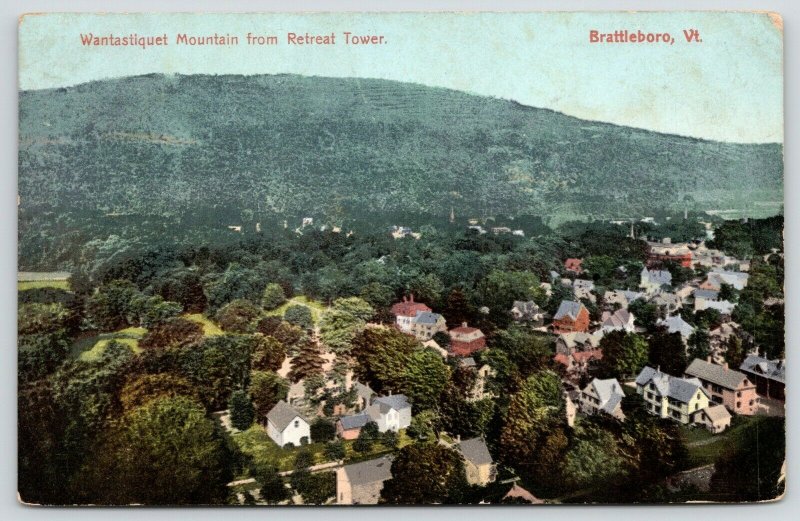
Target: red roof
x=409 y=308
x=562 y=359
x=573 y=264
x=585 y=356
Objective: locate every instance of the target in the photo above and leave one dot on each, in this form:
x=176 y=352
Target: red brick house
x=571 y=317
x=465 y=340
x=725 y=386
x=406 y=311
x=574 y=265
x=666 y=252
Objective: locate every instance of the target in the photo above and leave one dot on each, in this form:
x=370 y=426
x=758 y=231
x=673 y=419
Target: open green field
x=92 y=347
x=317 y=308
x=706 y=448
x=209 y=327
x=256 y=443
x=36 y=284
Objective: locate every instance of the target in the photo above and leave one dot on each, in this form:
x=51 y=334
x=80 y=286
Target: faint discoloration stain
x=777 y=20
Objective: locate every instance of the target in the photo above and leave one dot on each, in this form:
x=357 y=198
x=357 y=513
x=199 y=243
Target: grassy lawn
x=317 y=308
x=209 y=328
x=91 y=348
x=34 y=284
x=706 y=448
x=256 y=443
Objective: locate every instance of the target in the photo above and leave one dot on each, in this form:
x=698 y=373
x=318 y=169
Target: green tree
x=241 y=410
x=594 y=458
x=424 y=426
x=699 y=345
x=268 y=353
x=273 y=486
x=266 y=390
x=667 y=351
x=322 y=430
x=390 y=439
x=424 y=474
x=381 y=356
x=108 y=308
x=238 y=316
x=767 y=439
x=299 y=315
x=624 y=354
x=334 y=450
x=425 y=377
x=164 y=453
x=734 y=352
x=218 y=366
x=174 y=332
x=307 y=363
x=142 y=389
x=273 y=296
x=533 y=422
x=319 y=488
x=367 y=436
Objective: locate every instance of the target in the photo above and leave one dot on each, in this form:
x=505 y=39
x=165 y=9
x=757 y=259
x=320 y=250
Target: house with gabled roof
x=349 y=427
x=466 y=340
x=391 y=413
x=405 y=312
x=667 y=396
x=715 y=418
x=426 y=324
x=768 y=375
x=620 y=320
x=726 y=386
x=717 y=277
x=583 y=290
x=652 y=281
x=286 y=425
x=478 y=463
x=571 y=317
x=527 y=311
x=676 y=324
x=568 y=343
x=603 y=396
x=361 y=483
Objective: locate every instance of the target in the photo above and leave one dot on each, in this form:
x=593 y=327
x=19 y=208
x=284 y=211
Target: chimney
x=405 y=299
x=463 y=324
x=412 y=297
x=725 y=365
x=708 y=359
x=458 y=438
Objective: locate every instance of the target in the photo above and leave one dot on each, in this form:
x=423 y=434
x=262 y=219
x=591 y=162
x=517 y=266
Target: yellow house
x=478 y=464
x=680 y=399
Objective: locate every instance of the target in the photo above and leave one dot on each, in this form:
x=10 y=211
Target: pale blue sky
x=729 y=87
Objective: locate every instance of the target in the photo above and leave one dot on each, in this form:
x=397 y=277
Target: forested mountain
x=162 y=145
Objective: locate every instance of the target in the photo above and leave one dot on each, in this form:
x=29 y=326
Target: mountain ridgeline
x=285 y=144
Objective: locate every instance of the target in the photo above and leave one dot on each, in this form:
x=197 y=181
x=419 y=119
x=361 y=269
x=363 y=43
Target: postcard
x=401 y=258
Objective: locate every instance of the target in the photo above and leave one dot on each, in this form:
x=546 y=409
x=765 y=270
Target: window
x=738 y=405
x=739 y=394
x=296 y=424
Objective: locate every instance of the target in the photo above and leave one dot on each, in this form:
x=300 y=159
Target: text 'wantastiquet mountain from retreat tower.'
x=288 y=144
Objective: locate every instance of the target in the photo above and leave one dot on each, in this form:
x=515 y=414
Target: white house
x=603 y=396
x=620 y=320
x=391 y=413
x=651 y=281
x=285 y=425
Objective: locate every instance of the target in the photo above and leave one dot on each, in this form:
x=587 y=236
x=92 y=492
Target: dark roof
x=282 y=415
x=355 y=421
x=468 y=362
x=568 y=308
x=427 y=317
x=395 y=401
x=372 y=471
x=475 y=451
x=772 y=369
x=706 y=293
x=681 y=389
x=716 y=374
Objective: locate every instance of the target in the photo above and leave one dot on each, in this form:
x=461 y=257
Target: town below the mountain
x=466 y=360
